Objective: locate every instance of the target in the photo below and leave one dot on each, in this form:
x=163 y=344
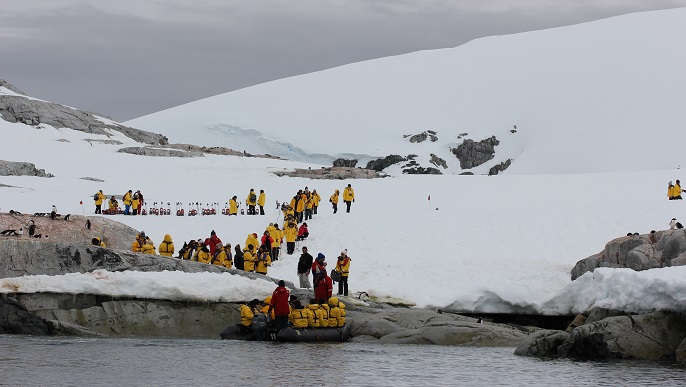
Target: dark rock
x=423 y=136
x=381 y=164
x=345 y=163
x=417 y=170
x=437 y=161
x=500 y=167
x=15 y=319
x=467 y=173
x=472 y=154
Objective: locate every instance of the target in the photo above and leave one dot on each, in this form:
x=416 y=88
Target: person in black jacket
x=304 y=267
x=238 y=258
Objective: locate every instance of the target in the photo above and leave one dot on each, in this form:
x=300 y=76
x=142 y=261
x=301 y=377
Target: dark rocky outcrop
x=423 y=136
x=345 y=163
x=18 y=168
x=35 y=112
x=418 y=170
x=381 y=164
x=472 y=154
x=217 y=150
x=437 y=161
x=638 y=252
x=332 y=173
x=16 y=319
x=159 y=152
x=500 y=167
x=653 y=336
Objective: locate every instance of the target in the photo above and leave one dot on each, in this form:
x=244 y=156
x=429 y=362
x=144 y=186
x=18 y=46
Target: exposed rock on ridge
x=472 y=154
x=18 y=168
x=34 y=112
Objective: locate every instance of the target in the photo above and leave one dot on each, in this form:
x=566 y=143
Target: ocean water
x=68 y=361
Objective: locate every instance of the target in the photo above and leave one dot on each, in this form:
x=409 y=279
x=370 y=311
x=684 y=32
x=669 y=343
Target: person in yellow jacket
x=127 y=202
x=148 y=247
x=228 y=263
x=299 y=316
x=190 y=250
x=277 y=234
x=316 y=313
x=252 y=240
x=202 y=254
x=337 y=313
x=233 y=206
x=334 y=201
x=135 y=204
x=315 y=201
x=247 y=312
x=348 y=197
x=220 y=256
x=324 y=307
x=261 y=200
x=264 y=260
x=291 y=234
x=99 y=197
x=251 y=201
x=677 y=190
x=265 y=308
x=98 y=242
x=114 y=205
x=300 y=207
x=137 y=245
x=249 y=258
x=167 y=246
x=343 y=267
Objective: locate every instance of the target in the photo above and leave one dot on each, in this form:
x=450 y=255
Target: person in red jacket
x=323 y=287
x=318 y=267
x=280 y=305
x=303 y=232
x=267 y=241
x=212 y=241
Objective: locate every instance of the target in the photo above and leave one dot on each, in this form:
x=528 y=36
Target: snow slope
x=613 y=89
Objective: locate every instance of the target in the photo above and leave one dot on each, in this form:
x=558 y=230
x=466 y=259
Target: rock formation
x=381 y=164
x=437 y=161
x=423 y=136
x=345 y=163
x=653 y=336
x=472 y=154
x=500 y=167
x=159 y=152
x=638 y=252
x=16 y=168
x=34 y=112
x=332 y=173
x=16 y=319
x=421 y=326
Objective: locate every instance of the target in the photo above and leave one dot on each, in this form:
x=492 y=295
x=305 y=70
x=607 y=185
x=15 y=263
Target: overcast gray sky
x=128 y=58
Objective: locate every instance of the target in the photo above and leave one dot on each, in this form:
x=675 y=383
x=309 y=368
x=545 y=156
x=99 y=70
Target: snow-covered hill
x=596 y=97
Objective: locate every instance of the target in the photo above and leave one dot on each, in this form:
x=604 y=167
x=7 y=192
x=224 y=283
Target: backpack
x=253 y=197
x=96 y=196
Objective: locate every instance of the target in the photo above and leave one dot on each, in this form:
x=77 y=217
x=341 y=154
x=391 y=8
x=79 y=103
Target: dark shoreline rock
x=472 y=154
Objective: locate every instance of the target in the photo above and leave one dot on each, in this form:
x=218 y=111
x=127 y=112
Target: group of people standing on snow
x=134 y=202
x=674 y=191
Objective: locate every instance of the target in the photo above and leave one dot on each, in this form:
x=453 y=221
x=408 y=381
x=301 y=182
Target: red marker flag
x=429 y=197
x=81 y=202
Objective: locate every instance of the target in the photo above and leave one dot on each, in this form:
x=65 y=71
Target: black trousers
x=347 y=204
x=261 y=210
x=335 y=207
x=290 y=247
x=275 y=253
x=98 y=209
x=343 y=286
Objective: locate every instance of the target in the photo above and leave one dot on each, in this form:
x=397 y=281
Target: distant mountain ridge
x=602 y=96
